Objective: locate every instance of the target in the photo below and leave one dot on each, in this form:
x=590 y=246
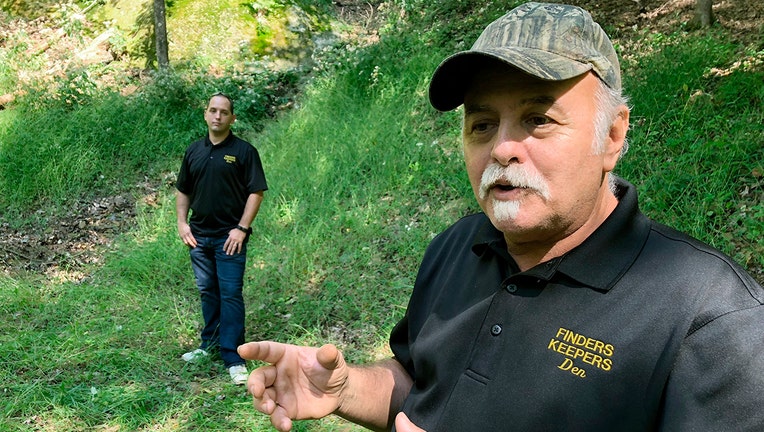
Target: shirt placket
x=491 y=342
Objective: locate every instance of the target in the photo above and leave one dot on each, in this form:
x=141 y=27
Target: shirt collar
x=603 y=258
x=223 y=143
x=598 y=262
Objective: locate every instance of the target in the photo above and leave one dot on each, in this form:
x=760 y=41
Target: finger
x=329 y=357
x=187 y=239
x=267 y=404
x=260 y=379
x=231 y=250
x=267 y=351
x=280 y=420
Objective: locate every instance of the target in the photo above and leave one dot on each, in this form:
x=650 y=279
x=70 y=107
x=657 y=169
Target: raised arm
x=310 y=383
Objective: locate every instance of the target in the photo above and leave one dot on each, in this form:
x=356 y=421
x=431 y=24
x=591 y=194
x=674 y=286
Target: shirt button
x=496 y=330
x=511 y=288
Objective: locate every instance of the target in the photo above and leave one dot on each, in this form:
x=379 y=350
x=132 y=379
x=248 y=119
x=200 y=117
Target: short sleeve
x=255 y=174
x=183 y=183
x=717 y=383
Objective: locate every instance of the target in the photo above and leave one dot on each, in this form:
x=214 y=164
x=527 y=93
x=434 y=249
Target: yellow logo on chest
x=577 y=349
x=230 y=158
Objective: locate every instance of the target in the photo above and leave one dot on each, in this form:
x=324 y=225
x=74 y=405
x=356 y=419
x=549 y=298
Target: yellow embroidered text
x=578 y=348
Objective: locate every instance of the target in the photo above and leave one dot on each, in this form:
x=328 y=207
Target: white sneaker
x=195 y=355
x=239 y=374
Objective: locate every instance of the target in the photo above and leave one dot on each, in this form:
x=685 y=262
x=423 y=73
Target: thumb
x=330 y=357
x=403 y=424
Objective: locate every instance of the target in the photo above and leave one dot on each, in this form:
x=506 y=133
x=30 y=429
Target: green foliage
x=75 y=88
x=14 y=57
x=29 y=9
x=239 y=32
x=75 y=139
x=451 y=24
x=264 y=6
x=694 y=150
x=8 y=76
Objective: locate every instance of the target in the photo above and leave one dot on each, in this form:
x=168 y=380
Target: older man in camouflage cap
x=560 y=307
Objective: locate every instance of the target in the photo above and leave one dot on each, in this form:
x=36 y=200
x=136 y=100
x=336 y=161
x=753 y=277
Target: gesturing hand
x=299 y=383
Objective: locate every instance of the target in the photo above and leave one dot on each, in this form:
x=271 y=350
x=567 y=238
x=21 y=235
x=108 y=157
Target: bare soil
x=741 y=18
x=68 y=242
x=78 y=238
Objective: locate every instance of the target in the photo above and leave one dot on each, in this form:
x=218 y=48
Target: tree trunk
x=704 y=14
x=160 y=34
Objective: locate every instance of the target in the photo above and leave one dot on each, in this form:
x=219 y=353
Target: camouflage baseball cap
x=549 y=41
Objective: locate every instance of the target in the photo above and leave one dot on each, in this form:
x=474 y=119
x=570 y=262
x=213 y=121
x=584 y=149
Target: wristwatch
x=246 y=230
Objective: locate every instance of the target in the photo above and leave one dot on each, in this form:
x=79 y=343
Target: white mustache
x=516 y=176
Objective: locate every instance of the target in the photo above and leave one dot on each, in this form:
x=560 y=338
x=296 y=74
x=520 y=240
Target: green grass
x=696 y=148
x=362 y=174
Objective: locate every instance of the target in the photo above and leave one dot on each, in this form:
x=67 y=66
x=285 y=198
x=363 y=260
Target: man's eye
x=480 y=127
x=539 y=120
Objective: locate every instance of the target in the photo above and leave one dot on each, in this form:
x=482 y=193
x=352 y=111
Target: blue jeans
x=220 y=279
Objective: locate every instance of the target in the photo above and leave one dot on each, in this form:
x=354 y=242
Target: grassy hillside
x=362 y=174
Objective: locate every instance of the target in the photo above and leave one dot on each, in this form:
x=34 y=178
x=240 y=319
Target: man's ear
x=616 y=138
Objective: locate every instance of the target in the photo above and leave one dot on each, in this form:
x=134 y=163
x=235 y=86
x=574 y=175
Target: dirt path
x=73 y=240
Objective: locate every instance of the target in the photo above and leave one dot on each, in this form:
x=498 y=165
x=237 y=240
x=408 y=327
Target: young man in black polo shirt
x=221 y=181
x=560 y=307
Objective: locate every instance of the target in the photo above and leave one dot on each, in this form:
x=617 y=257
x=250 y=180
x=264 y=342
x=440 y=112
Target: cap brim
x=454 y=74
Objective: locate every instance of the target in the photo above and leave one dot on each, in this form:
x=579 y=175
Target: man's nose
x=509 y=147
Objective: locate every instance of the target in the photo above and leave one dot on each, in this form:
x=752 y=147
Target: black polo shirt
x=219 y=179
x=639 y=328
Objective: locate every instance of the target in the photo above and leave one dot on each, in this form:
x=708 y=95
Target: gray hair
x=608 y=100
